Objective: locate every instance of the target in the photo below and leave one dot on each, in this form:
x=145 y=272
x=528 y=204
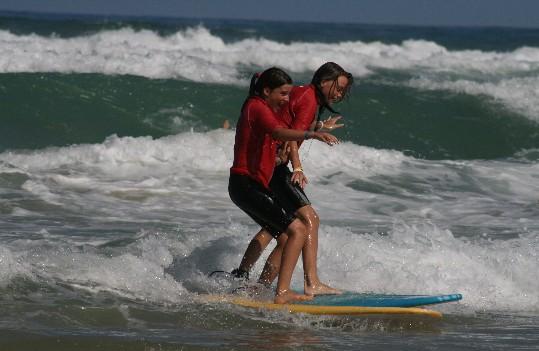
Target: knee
x=309 y=216
x=297 y=229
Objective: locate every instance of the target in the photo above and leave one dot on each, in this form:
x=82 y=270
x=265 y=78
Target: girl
x=254 y=160
x=330 y=84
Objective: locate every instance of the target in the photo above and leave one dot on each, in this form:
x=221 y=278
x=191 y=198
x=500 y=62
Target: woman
x=255 y=147
x=330 y=84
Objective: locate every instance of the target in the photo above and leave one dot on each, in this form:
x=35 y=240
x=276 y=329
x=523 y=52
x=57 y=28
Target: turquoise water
x=381 y=113
x=114 y=166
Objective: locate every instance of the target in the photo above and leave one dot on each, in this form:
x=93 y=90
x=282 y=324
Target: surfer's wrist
x=308 y=135
x=297 y=169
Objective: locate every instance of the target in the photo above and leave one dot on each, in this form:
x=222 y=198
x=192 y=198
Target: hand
x=299 y=178
x=331 y=123
x=326 y=138
x=283 y=152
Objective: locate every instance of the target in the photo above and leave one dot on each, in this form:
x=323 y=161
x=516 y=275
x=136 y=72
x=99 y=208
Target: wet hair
x=271 y=78
x=329 y=71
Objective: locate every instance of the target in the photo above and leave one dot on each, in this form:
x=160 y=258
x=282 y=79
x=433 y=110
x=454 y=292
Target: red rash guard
x=301 y=110
x=254 y=148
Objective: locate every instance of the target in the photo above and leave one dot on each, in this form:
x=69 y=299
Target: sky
x=512 y=13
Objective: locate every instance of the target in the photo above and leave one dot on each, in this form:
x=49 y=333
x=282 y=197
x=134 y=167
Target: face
x=278 y=96
x=334 y=90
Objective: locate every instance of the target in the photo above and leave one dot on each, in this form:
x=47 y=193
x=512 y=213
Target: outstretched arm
x=286 y=134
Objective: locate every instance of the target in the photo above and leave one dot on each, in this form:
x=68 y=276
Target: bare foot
x=321 y=289
x=287 y=296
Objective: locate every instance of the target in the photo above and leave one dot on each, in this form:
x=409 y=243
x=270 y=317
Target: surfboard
x=347 y=304
x=334 y=310
x=381 y=300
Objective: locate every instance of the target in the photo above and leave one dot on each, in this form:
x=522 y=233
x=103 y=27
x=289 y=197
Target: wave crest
x=197 y=54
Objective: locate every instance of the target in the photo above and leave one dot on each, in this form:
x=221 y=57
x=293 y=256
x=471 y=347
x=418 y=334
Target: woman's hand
x=324 y=137
x=298 y=177
x=331 y=123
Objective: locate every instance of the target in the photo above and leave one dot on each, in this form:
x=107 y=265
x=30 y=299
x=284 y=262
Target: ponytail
x=252 y=85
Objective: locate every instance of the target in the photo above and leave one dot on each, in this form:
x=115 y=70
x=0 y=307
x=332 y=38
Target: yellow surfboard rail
x=321 y=310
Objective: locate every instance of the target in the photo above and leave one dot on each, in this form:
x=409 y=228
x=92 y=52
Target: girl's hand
x=325 y=137
x=298 y=177
x=331 y=123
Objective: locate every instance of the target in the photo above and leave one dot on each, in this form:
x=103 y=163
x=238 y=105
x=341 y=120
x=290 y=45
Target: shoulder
x=256 y=105
x=259 y=113
x=304 y=98
x=303 y=92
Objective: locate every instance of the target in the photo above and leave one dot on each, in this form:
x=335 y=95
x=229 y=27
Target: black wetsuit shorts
x=291 y=195
x=261 y=204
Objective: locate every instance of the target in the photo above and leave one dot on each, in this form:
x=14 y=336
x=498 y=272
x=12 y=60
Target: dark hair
x=329 y=71
x=271 y=78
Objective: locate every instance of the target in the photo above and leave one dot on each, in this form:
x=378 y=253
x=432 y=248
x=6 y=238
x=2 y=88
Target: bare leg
x=312 y=284
x=273 y=263
x=255 y=249
x=296 y=233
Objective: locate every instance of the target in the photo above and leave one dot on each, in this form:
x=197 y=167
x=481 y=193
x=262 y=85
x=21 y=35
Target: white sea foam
x=424 y=258
x=137 y=273
x=410 y=259
x=199 y=55
x=195 y=166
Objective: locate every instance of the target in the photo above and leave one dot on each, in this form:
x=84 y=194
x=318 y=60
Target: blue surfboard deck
x=381 y=300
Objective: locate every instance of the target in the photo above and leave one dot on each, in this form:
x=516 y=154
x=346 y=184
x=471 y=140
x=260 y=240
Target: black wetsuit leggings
x=272 y=209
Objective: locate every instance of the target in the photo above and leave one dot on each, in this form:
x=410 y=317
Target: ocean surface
x=114 y=169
